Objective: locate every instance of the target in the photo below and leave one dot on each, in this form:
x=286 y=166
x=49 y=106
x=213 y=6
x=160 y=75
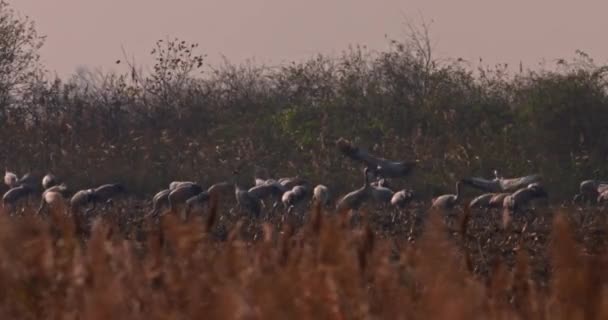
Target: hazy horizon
x=92 y=34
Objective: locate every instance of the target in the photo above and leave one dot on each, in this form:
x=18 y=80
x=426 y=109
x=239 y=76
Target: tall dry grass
x=321 y=269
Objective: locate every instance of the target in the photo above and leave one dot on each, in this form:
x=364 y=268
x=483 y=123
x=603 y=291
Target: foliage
x=19 y=58
x=183 y=119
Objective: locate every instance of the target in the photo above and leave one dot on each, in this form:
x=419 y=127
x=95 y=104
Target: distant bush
x=186 y=119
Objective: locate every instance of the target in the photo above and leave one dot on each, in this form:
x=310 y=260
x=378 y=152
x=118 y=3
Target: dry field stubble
x=217 y=266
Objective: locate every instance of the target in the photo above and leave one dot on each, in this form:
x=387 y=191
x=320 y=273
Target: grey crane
x=14 y=195
x=354 y=199
x=247 y=202
x=523 y=196
x=53 y=198
x=294 y=199
x=78 y=201
x=320 y=194
x=197 y=200
x=159 y=201
x=265 y=188
x=400 y=200
x=448 y=201
x=181 y=194
x=203 y=198
x=30 y=180
x=49 y=180
x=499 y=184
x=590 y=189
x=269 y=189
x=244 y=200
x=382 y=167
x=82 y=198
x=105 y=193
x=489 y=200
x=102 y=194
x=12 y=180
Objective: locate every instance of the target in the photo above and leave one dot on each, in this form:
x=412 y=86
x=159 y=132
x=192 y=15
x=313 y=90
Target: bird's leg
x=15 y=209
x=275 y=205
x=42 y=205
x=577 y=198
x=9 y=209
x=290 y=209
x=150 y=214
x=412 y=219
x=264 y=214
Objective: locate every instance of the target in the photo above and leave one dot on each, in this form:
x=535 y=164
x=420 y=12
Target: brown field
x=549 y=264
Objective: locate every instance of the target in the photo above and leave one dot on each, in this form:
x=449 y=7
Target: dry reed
x=324 y=269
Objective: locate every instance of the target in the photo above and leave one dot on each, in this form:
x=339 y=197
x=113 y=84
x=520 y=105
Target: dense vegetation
x=187 y=119
x=550 y=267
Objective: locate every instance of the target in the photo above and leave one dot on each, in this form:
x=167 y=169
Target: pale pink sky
x=91 y=32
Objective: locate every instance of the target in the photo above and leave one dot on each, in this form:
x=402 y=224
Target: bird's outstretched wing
x=358 y=154
x=482 y=184
x=381 y=167
x=501 y=185
x=518 y=183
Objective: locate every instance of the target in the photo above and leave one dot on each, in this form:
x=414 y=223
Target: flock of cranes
x=294 y=193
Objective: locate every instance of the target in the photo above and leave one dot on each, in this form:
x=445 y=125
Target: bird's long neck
x=235 y=182
x=237 y=187
x=458 y=191
x=366 y=179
